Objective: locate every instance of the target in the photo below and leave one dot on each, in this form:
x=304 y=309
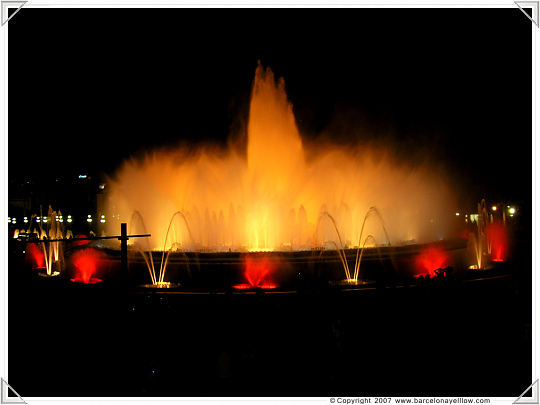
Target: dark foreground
x=457 y=338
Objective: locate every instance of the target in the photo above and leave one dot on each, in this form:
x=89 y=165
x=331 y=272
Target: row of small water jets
x=481 y=244
x=158 y=278
x=53 y=250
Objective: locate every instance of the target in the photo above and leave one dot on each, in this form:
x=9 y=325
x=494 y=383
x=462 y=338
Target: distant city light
x=512 y=210
x=494 y=208
x=457 y=214
x=82 y=176
x=102 y=186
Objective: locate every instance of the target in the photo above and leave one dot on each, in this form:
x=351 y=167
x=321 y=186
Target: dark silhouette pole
x=123 y=250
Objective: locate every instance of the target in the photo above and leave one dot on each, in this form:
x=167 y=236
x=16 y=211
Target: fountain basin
x=161 y=285
x=91 y=280
x=221 y=271
x=44 y=274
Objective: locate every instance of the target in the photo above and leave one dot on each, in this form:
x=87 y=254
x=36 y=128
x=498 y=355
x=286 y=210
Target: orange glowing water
x=272 y=196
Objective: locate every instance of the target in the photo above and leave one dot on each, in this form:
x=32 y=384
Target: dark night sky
x=90 y=87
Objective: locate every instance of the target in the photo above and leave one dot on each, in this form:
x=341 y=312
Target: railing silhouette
x=123 y=238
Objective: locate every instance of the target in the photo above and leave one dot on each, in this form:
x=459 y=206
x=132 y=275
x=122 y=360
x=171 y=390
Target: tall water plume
x=271 y=198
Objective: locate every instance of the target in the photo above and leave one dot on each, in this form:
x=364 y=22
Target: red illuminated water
x=86 y=263
x=35 y=255
x=264 y=286
x=496 y=235
x=257 y=273
x=431 y=259
x=80 y=242
x=91 y=280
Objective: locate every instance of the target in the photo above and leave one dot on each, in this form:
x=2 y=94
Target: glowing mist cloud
x=496 y=235
x=431 y=259
x=86 y=263
x=274 y=198
x=35 y=255
x=258 y=273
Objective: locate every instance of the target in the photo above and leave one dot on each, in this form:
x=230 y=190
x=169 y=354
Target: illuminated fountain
x=430 y=259
x=258 y=273
x=354 y=278
x=490 y=242
x=271 y=196
x=171 y=243
x=496 y=235
x=143 y=247
x=35 y=256
x=53 y=230
x=372 y=211
x=86 y=262
x=374 y=244
x=482 y=246
x=340 y=248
